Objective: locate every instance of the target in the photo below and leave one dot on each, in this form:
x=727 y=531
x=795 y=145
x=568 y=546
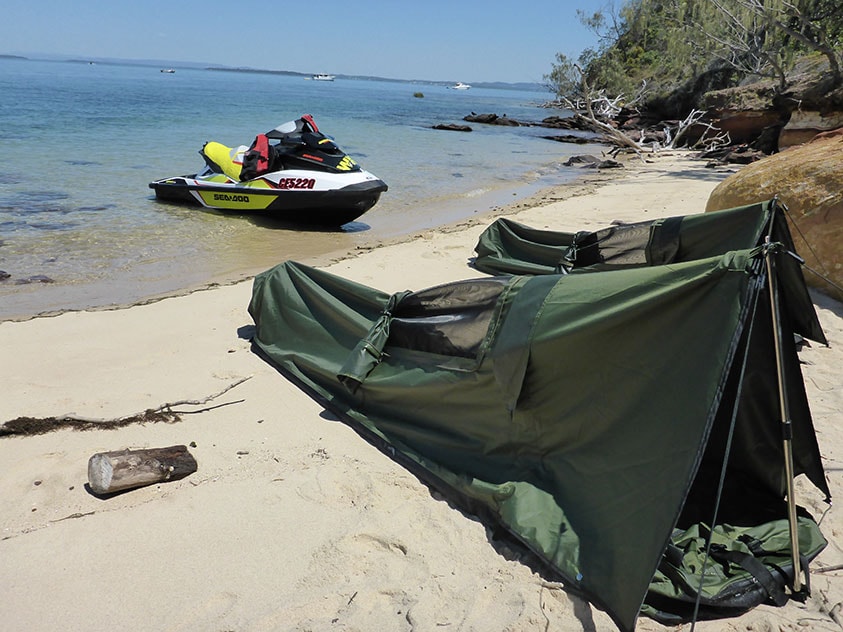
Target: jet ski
x=293 y=173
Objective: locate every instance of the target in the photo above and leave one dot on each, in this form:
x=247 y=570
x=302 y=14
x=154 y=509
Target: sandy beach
x=292 y=521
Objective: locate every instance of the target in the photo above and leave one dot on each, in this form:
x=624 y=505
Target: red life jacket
x=257 y=160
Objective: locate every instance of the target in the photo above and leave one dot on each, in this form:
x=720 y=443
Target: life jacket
x=258 y=159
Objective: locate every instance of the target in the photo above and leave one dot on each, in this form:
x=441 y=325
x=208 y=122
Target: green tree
x=563 y=79
x=704 y=44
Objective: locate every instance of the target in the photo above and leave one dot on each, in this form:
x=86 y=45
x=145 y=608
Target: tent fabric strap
x=367 y=354
x=583 y=251
x=754 y=567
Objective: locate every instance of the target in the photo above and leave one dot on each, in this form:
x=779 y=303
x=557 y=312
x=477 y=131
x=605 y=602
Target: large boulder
x=809 y=180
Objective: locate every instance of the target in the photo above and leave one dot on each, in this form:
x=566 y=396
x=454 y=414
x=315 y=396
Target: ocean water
x=79 y=227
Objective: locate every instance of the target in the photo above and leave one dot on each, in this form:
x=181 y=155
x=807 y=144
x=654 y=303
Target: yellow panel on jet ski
x=240 y=200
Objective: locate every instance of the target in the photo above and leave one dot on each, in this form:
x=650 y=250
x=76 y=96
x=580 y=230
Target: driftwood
x=164 y=413
x=110 y=472
x=613 y=135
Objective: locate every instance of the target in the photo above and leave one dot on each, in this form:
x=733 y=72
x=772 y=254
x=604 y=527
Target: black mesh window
x=449 y=320
x=643 y=243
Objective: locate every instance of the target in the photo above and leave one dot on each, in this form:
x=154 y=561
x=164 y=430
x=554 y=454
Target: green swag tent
x=507 y=247
x=607 y=418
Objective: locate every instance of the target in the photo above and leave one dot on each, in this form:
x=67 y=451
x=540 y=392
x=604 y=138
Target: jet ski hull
x=304 y=202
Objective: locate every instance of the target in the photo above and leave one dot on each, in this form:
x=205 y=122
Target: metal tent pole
x=784 y=408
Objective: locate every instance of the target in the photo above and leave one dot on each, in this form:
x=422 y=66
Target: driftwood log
x=110 y=472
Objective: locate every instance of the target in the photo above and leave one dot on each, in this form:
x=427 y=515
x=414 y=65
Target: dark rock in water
x=481 y=118
x=35 y=278
x=569 y=138
x=452 y=127
x=4 y=275
x=493 y=119
x=553 y=122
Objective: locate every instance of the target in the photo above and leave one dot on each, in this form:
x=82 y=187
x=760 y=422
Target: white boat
x=323 y=77
x=459 y=85
x=169 y=71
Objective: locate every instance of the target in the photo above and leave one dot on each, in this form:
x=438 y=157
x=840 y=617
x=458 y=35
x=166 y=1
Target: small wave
x=38 y=199
x=476 y=193
x=83 y=163
x=95 y=209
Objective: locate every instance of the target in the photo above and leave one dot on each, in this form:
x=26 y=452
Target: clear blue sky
x=460 y=40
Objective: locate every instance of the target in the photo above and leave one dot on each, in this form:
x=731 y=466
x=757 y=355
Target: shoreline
x=98 y=237
x=492 y=203
x=292 y=521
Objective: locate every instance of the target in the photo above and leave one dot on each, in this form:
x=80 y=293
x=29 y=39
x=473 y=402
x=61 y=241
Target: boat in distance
x=293 y=173
x=323 y=77
x=459 y=85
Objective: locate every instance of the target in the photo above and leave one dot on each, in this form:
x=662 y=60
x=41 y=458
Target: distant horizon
x=200 y=65
x=435 y=41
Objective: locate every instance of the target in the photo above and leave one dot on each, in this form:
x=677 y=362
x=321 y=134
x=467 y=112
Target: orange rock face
x=809 y=180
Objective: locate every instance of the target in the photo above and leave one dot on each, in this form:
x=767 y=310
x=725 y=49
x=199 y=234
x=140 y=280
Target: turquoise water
x=80 y=228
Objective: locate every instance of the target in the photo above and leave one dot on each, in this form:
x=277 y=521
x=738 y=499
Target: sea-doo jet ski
x=293 y=173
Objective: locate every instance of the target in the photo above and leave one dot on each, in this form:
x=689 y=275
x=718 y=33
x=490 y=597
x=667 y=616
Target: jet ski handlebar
x=291 y=128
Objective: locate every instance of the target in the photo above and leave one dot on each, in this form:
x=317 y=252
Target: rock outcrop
x=809 y=180
x=804 y=125
x=492 y=119
x=770 y=117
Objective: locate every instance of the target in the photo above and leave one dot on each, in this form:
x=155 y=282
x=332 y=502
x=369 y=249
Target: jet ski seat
x=222 y=159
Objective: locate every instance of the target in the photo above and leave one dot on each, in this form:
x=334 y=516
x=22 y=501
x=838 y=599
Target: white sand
x=292 y=521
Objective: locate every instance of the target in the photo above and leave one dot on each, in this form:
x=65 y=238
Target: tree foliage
x=668 y=43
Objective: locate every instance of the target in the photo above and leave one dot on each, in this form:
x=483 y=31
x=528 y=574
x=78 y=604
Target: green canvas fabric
x=725 y=588
x=586 y=413
x=509 y=247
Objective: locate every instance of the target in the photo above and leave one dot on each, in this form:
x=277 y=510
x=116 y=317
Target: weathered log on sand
x=110 y=472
